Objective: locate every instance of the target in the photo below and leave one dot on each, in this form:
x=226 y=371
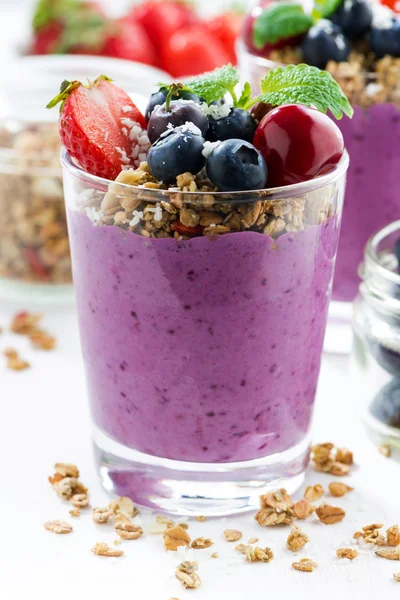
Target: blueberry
x=386 y=405
x=179 y=113
x=239 y=124
x=385 y=37
x=387 y=356
x=324 y=42
x=354 y=17
x=236 y=165
x=179 y=151
x=158 y=98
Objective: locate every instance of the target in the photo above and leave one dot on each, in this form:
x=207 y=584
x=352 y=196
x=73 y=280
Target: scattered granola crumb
x=68 y=487
x=166 y=521
x=314 y=492
x=329 y=459
x=393 y=535
x=80 y=500
x=391 y=554
x=396 y=576
x=256 y=554
x=296 y=540
x=344 y=456
x=175 y=537
x=75 y=512
x=330 y=514
x=66 y=470
x=339 y=489
x=14 y=361
x=126 y=529
x=385 y=450
x=215 y=555
x=349 y=553
x=253 y=540
x=58 y=526
x=123 y=505
x=184 y=526
x=305 y=564
x=201 y=519
x=201 y=543
x=102 y=549
x=232 y=535
x=186 y=574
x=303 y=509
x=42 y=340
x=101 y=515
x=276 y=509
x=371 y=534
x=25 y=322
x=339 y=469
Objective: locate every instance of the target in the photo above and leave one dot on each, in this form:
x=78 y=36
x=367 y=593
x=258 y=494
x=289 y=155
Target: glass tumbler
x=372 y=140
x=376 y=353
x=202 y=318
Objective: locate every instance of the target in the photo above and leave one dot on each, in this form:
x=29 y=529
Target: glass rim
x=288 y=191
x=372 y=255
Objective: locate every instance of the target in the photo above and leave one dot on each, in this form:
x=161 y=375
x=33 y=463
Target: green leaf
x=302 y=84
x=214 y=85
x=325 y=8
x=280 y=21
x=245 y=97
x=47 y=11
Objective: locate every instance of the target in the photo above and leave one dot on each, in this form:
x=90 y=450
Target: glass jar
x=372 y=141
x=34 y=246
x=202 y=317
x=376 y=324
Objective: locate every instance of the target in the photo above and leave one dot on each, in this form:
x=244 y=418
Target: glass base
x=339 y=335
x=13 y=290
x=187 y=488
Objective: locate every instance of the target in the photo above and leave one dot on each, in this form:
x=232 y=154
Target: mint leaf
x=325 y=8
x=302 y=84
x=245 y=98
x=280 y=21
x=214 y=85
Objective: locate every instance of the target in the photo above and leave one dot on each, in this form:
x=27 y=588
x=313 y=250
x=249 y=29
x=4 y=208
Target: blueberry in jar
x=176 y=114
x=159 y=98
x=324 y=42
x=354 y=17
x=239 y=124
x=236 y=165
x=387 y=355
x=386 y=405
x=178 y=151
x=385 y=37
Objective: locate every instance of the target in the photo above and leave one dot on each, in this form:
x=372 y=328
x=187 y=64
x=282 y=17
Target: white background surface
x=44 y=419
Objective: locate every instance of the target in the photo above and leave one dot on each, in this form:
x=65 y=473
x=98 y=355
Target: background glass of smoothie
x=202 y=355
x=372 y=138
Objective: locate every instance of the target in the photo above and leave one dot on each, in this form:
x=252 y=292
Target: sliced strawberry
x=95 y=123
x=180 y=228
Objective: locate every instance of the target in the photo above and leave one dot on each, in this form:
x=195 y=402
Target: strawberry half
x=101 y=127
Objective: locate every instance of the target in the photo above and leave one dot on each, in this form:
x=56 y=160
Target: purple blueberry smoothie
x=204 y=350
x=373 y=188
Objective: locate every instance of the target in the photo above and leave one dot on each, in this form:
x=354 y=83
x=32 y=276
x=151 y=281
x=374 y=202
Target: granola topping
x=102 y=549
x=329 y=459
x=276 y=509
x=101 y=515
x=305 y=564
x=201 y=543
x=303 y=509
x=339 y=489
x=58 y=526
x=349 y=553
x=175 y=537
x=297 y=540
x=80 y=500
x=232 y=535
x=393 y=535
x=391 y=554
x=127 y=530
x=314 y=492
x=14 y=361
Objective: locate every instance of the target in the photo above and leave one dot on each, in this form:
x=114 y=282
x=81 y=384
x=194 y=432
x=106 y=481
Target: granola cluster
x=34 y=244
x=182 y=217
x=330 y=459
x=27 y=324
x=364 y=79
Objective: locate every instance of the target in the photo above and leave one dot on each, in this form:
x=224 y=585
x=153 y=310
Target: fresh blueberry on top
x=179 y=113
x=178 y=151
x=386 y=405
x=239 y=124
x=354 y=17
x=324 y=42
x=158 y=98
x=236 y=165
x=385 y=37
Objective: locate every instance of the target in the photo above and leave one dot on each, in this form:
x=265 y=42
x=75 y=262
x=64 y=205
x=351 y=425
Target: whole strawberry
x=100 y=127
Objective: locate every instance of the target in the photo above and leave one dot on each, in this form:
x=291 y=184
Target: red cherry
x=298 y=143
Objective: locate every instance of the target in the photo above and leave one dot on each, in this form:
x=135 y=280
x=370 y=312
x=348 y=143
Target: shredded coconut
x=137 y=215
x=373 y=89
x=216 y=111
x=126 y=108
x=125 y=131
x=208 y=147
x=94 y=215
x=124 y=156
x=158 y=215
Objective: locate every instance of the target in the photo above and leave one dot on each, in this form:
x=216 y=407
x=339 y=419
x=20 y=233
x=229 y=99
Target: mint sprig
x=280 y=21
x=302 y=84
x=215 y=85
x=325 y=8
